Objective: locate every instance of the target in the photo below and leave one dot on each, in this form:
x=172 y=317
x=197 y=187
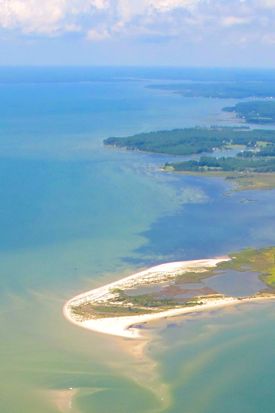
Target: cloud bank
x=240 y=21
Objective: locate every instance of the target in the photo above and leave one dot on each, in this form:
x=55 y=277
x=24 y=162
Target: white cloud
x=235 y=21
x=99 y=20
x=28 y=16
x=269 y=38
x=168 y=5
x=267 y=3
x=99 y=4
x=46 y=16
x=98 y=34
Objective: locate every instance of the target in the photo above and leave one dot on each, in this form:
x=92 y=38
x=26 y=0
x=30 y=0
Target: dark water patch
x=235 y=283
x=184 y=292
x=222 y=225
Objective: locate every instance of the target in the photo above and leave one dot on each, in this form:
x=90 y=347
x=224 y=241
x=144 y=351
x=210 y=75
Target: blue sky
x=138 y=32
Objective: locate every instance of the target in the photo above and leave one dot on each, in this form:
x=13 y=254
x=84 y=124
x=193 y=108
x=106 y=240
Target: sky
x=231 y=33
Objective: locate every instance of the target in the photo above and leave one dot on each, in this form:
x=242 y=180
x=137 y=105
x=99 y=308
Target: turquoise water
x=74 y=215
x=221 y=362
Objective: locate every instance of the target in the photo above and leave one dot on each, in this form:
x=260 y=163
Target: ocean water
x=74 y=215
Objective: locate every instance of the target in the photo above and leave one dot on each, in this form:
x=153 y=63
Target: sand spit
x=126 y=326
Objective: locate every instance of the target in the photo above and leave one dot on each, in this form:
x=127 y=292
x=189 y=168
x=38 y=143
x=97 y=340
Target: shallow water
x=222 y=361
x=236 y=284
x=75 y=215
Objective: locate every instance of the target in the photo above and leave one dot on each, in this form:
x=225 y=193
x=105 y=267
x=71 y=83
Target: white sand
x=125 y=326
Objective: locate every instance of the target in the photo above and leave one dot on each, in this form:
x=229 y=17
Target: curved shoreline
x=124 y=326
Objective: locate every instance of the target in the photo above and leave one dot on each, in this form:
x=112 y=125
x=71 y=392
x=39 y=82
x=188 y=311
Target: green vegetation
x=258 y=111
x=193 y=140
x=241 y=181
x=238 y=164
x=122 y=305
x=261 y=261
x=250 y=181
x=89 y=311
x=252 y=168
x=145 y=300
x=143 y=304
x=261 y=152
x=223 y=90
x=192 y=277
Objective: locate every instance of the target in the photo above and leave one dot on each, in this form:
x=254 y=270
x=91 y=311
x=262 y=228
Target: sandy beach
x=129 y=326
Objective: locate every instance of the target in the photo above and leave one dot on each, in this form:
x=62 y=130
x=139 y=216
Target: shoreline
x=249 y=181
x=126 y=326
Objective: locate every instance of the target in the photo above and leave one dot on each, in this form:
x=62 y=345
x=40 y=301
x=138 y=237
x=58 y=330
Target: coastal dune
x=129 y=326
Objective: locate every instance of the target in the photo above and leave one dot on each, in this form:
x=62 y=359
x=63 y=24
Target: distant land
x=257 y=111
x=238 y=164
x=252 y=168
x=254 y=165
x=222 y=90
x=191 y=141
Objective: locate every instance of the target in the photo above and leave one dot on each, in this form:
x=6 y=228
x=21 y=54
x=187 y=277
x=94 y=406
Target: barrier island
x=121 y=308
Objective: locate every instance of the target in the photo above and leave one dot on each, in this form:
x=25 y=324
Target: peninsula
x=253 y=166
x=255 y=111
x=196 y=140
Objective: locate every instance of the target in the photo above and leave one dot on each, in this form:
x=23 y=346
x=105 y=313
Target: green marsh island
x=252 y=167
